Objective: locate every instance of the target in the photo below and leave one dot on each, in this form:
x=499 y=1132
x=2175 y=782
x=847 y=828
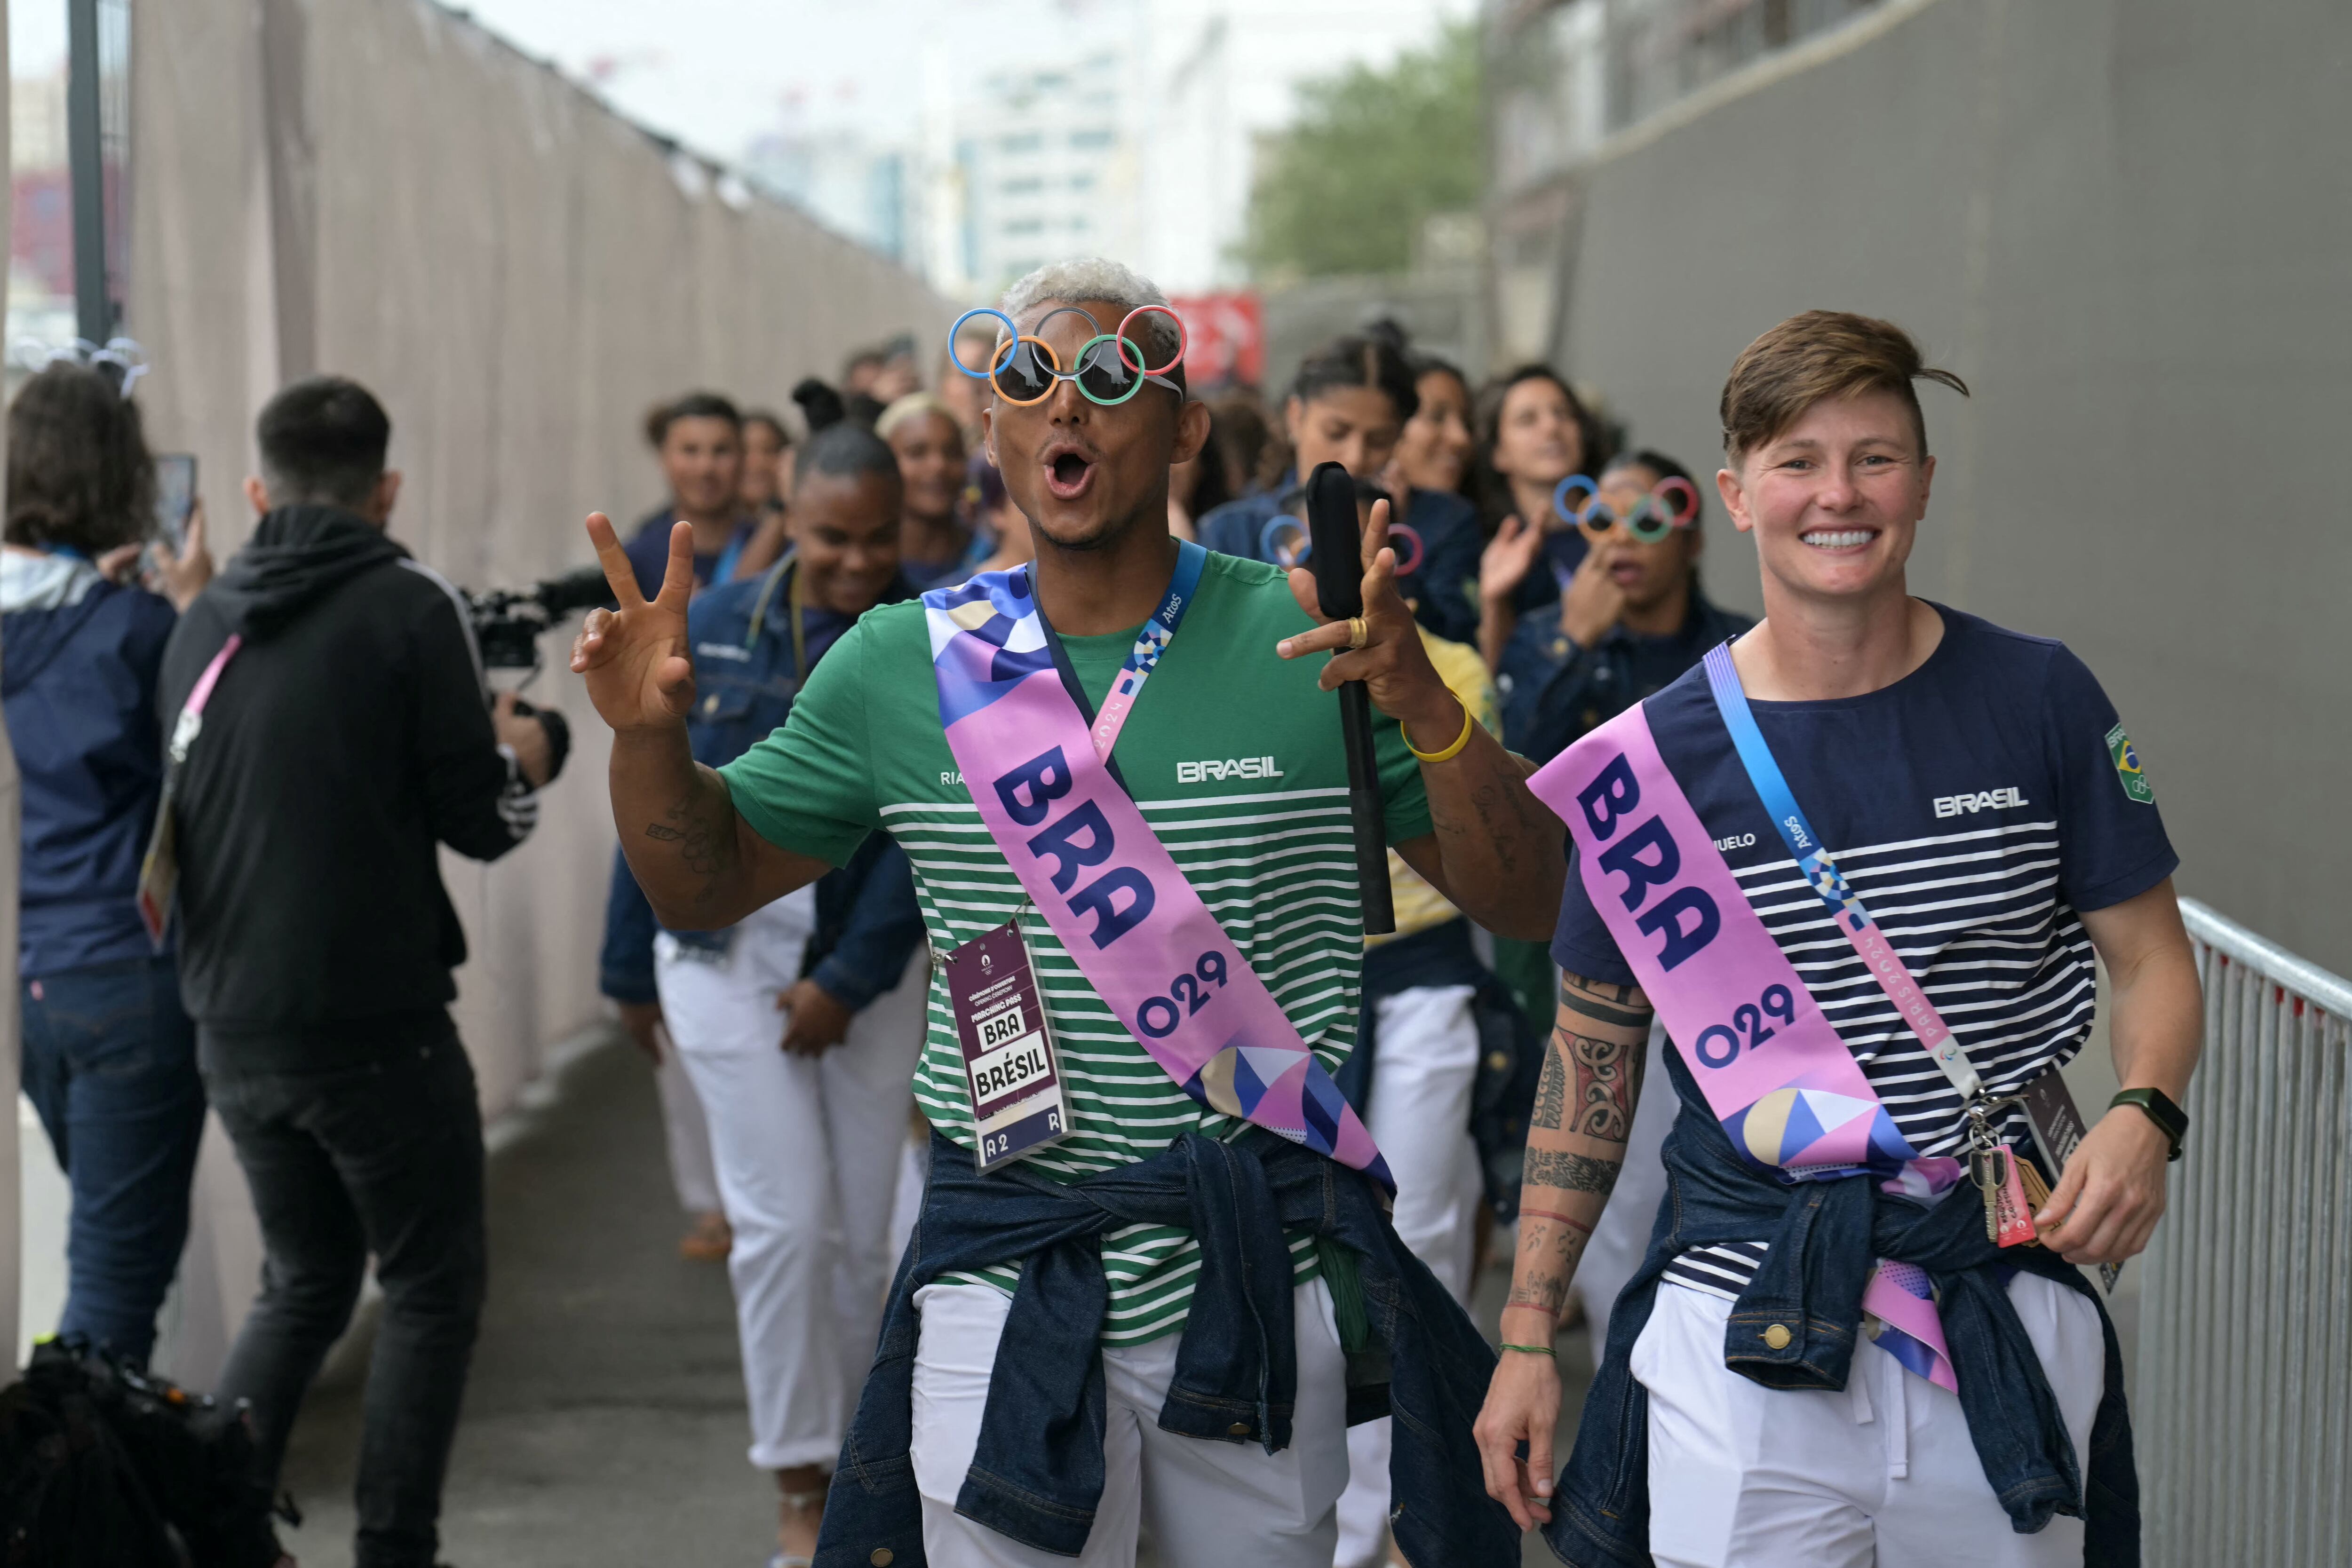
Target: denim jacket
x=1558 y=692
x=1824 y=1236
x=1038 y=1472
x=746 y=677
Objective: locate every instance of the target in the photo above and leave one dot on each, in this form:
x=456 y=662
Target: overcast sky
x=715 y=73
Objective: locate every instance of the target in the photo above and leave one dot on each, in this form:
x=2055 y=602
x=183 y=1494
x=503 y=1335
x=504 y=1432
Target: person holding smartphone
x=110 y=1058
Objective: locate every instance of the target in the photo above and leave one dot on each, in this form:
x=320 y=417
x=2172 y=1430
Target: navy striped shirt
x=1977 y=806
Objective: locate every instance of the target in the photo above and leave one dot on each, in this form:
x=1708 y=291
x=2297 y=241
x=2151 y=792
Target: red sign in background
x=1224 y=340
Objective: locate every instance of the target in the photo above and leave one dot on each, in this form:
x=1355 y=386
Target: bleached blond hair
x=1094 y=278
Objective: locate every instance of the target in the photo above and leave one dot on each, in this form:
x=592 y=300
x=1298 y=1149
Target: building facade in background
x=1131 y=133
x=1048 y=163
x=1564 y=75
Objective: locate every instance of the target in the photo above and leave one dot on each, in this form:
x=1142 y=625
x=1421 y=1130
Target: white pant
x=1881 y=1475
x=1211 y=1504
x=1424 y=1070
x=807 y=1151
x=1622 y=1239
x=686 y=1132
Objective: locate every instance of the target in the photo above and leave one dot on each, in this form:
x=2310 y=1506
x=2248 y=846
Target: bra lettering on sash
x=1137 y=929
x=1790 y=1094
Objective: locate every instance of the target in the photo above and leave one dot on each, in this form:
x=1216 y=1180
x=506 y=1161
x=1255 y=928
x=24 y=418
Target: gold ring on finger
x=1358 y=633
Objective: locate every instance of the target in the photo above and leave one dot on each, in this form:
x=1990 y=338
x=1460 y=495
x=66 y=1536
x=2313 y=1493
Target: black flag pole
x=1336 y=553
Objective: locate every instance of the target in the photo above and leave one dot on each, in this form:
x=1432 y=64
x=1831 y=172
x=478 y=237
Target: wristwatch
x=2169 y=1118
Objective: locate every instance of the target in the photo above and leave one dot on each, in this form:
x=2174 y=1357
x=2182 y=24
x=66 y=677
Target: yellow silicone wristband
x=1451 y=752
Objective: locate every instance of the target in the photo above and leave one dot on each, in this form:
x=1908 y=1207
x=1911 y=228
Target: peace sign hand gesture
x=635 y=659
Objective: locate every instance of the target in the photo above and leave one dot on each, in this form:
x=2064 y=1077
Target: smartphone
x=175 y=496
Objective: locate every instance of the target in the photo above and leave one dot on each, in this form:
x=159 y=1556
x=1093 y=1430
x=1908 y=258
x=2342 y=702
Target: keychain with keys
x=2002 y=1182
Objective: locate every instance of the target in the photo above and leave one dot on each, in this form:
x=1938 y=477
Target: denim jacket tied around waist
x=1037 y=1475
x=1825 y=1237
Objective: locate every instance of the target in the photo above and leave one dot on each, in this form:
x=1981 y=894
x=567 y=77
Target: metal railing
x=2243 y=1403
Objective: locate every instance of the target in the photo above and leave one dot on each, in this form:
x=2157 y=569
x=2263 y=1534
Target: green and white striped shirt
x=1235 y=758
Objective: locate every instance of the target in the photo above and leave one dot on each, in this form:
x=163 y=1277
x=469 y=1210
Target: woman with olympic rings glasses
x=1349 y=405
x=1630 y=618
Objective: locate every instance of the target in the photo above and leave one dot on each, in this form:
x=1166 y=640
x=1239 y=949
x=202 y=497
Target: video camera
x=509 y=622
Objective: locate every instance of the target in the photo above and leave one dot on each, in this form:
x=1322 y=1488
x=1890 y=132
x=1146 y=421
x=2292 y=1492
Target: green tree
x=1371 y=155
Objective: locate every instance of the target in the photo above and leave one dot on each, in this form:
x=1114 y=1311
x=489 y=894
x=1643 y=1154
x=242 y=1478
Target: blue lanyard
x=1772 y=786
x=1821 y=874
x=1150 y=646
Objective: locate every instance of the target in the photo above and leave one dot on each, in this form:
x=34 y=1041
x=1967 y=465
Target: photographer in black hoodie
x=347 y=736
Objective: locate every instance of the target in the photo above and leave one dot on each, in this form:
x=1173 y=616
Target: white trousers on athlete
x=1210 y=1504
x=686 y=1132
x=807 y=1154
x=1424 y=1070
x=1880 y=1476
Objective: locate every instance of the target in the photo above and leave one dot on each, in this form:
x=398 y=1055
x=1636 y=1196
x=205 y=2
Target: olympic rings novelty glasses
x=1653 y=518
x=1026 y=369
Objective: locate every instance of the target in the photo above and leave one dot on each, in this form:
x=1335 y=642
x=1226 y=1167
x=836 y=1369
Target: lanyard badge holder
x=1011 y=1068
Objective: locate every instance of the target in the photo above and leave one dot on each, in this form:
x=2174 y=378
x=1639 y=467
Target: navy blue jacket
x=80 y=657
x=1444 y=589
x=1824 y=1236
x=746 y=676
x=1556 y=693
x=1037 y=1474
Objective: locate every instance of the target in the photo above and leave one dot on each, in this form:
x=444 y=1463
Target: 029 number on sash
x=1720 y=1045
x=1187 y=994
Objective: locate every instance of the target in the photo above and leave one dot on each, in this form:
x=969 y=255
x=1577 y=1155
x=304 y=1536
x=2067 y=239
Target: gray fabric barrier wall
x=380 y=189
x=2131 y=228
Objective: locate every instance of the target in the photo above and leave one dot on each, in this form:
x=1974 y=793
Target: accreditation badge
x=2057 y=1128
x=1010 y=1068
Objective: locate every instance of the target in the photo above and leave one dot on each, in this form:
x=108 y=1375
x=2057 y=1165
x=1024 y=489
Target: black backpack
x=102 y=1466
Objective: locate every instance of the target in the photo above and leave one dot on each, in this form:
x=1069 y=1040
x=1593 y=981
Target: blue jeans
x=109 y=1064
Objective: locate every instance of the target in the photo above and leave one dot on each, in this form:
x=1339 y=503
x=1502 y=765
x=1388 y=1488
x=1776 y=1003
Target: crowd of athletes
x=877 y=483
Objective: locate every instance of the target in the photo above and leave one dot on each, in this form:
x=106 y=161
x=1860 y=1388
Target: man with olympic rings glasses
x=1153 y=1270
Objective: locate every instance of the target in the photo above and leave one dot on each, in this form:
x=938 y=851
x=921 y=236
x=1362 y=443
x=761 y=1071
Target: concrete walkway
x=604 y=1425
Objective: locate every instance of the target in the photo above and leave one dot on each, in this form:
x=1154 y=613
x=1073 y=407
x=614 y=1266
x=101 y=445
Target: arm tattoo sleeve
x=1547 y=1262
x=1608 y=1075
x=1603 y=1002
x=1551 y=1092
x=1571 y=1173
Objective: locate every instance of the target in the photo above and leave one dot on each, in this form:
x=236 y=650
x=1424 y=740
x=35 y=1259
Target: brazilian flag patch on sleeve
x=2127 y=768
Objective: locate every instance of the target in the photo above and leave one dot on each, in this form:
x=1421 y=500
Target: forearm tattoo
x=1571 y=1173
x=703 y=828
x=1550 y=1244
x=1551 y=1090
x=1607 y=1077
x=1502 y=821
